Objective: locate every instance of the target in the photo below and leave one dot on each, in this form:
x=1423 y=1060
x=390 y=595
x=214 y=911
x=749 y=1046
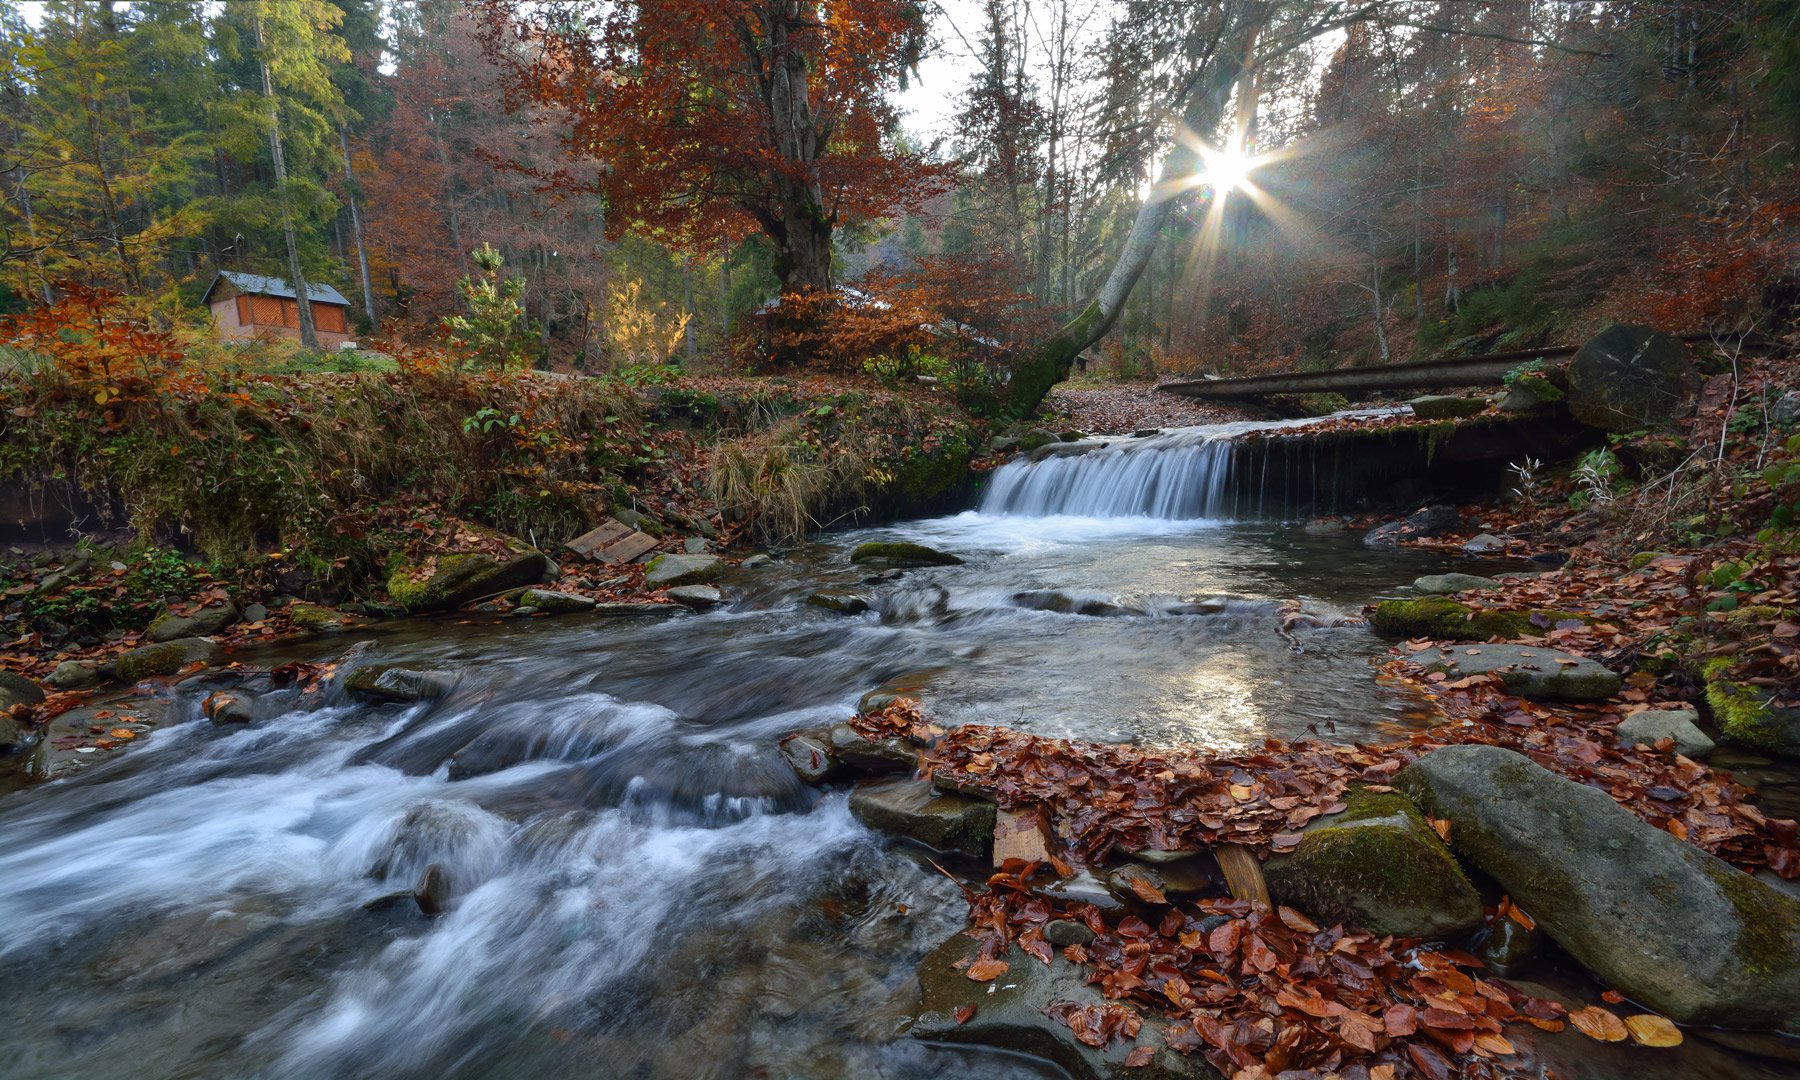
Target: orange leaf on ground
x=1649 y=1029
x=963 y=1014
x=989 y=970
x=1597 y=1023
x=1140 y=1057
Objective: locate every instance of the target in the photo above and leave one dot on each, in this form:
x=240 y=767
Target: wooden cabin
x=250 y=305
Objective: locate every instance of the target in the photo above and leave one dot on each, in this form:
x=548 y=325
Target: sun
x=1226 y=170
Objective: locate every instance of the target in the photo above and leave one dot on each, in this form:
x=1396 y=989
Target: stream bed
x=650 y=892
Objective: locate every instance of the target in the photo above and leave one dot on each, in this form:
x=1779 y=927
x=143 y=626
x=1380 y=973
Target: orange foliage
x=103 y=352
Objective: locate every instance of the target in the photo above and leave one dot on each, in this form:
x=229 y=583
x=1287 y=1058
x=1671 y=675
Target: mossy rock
x=555 y=603
x=1378 y=865
x=1440 y=618
x=165 y=658
x=320 y=620
x=682 y=570
x=458 y=579
x=842 y=601
x=1659 y=920
x=1535 y=672
x=1745 y=715
x=1035 y=438
x=900 y=554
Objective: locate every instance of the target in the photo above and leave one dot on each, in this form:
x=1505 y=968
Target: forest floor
x=1122 y=408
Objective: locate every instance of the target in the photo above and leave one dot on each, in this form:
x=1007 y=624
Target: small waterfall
x=1160 y=477
x=1182 y=474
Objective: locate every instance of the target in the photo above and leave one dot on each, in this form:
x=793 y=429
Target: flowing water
x=640 y=887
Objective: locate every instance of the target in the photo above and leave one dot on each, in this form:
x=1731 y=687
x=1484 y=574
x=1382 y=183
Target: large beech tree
x=710 y=120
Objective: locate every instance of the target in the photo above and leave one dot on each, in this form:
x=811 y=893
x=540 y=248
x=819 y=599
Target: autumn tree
x=710 y=120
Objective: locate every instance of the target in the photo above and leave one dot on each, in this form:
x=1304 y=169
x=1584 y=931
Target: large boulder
x=683 y=570
x=202 y=623
x=1631 y=377
x=166 y=658
x=1429 y=522
x=1010 y=1013
x=917 y=810
x=1655 y=918
x=898 y=553
x=1377 y=865
x=450 y=581
x=858 y=751
x=1530 y=672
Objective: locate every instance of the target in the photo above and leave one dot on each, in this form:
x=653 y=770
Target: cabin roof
x=258 y=285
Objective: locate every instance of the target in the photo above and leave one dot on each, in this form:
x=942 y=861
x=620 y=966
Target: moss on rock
x=1378 y=865
x=151 y=660
x=1744 y=715
x=1440 y=617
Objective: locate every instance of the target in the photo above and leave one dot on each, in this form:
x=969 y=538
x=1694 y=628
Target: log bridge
x=1486 y=370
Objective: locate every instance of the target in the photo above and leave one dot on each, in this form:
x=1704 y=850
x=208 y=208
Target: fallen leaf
x=1649 y=1029
x=1140 y=1057
x=1597 y=1023
x=963 y=1014
x=989 y=970
x=1145 y=891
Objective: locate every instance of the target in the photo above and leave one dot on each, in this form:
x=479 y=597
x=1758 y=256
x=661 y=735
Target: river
x=645 y=889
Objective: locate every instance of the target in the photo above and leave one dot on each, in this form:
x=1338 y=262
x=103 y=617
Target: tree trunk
x=302 y=301
x=356 y=230
x=1049 y=362
x=803 y=241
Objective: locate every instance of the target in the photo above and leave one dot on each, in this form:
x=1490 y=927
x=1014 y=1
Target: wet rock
x=1065 y=932
x=1431 y=521
x=1441 y=617
x=320 y=620
x=1485 y=544
x=454 y=580
x=756 y=560
x=16 y=738
x=634 y=608
x=1082 y=887
x=1010 y=1014
x=1378 y=865
x=18 y=690
x=842 y=601
x=432 y=893
x=555 y=603
x=166 y=658
x=1191 y=875
x=809 y=752
x=225 y=707
x=694 y=545
x=872 y=755
x=1631 y=377
x=1004 y=444
x=918 y=811
x=1531 y=393
x=697 y=597
x=683 y=570
x=255 y=613
x=500 y=747
x=74 y=675
x=1434 y=584
x=1324 y=527
x=901 y=555
x=202 y=623
x=1509 y=945
x=1064 y=604
x=1446 y=406
x=391 y=682
x=1655 y=724
x=1531 y=672
x=1655 y=918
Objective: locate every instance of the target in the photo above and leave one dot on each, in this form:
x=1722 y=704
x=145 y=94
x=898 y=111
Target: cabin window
x=266 y=311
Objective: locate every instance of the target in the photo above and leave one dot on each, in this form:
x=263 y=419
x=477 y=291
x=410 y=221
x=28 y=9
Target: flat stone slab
x=1528 y=671
x=1445 y=584
x=1446 y=407
x=683 y=570
x=697 y=597
x=918 y=811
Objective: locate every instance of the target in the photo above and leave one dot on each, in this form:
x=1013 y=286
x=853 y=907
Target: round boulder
x=1632 y=377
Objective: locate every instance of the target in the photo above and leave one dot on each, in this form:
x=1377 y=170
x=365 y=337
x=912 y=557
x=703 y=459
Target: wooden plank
x=611 y=542
x=627 y=549
x=1021 y=834
x=1243 y=874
